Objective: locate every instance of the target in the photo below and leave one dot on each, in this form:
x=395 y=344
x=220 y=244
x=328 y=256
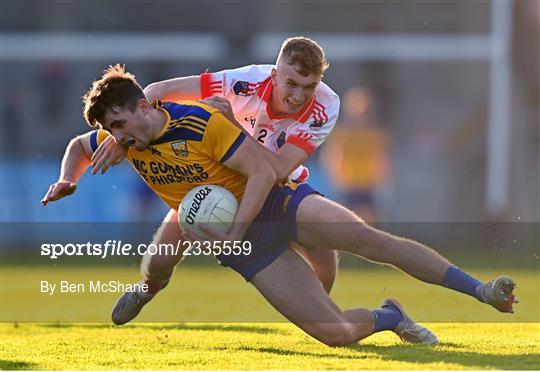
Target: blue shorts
x=271 y=231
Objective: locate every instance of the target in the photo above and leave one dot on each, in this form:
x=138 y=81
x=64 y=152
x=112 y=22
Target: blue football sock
x=387 y=318
x=460 y=281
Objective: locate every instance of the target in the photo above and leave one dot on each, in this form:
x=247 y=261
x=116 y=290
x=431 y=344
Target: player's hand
x=59 y=190
x=222 y=105
x=190 y=236
x=215 y=235
x=109 y=153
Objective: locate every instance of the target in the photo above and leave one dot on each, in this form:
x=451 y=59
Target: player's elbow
x=258 y=168
x=263 y=171
x=281 y=174
x=268 y=174
x=77 y=145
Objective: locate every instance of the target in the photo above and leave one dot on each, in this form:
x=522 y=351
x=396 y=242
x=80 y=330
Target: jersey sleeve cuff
x=303 y=144
x=211 y=87
x=94 y=140
x=205 y=85
x=241 y=137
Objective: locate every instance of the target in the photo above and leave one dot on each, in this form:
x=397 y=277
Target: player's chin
x=292 y=109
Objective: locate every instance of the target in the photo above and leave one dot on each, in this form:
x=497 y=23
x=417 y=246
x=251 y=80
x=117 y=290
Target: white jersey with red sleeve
x=249 y=90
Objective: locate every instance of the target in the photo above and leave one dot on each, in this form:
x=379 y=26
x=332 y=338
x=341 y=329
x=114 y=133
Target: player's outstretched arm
x=76 y=160
x=176 y=89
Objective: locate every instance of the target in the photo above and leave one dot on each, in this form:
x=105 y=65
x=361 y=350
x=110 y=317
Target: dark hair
x=116 y=88
x=304 y=53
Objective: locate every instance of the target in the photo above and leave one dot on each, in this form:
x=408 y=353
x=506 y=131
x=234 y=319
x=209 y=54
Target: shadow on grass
x=424 y=354
x=74 y=325
x=216 y=327
x=16 y=364
x=284 y=352
x=420 y=354
x=172 y=327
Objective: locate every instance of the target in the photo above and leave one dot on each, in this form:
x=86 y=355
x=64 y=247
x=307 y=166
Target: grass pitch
x=201 y=304
x=260 y=346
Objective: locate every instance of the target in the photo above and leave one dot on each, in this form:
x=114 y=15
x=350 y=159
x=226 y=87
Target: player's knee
x=337 y=334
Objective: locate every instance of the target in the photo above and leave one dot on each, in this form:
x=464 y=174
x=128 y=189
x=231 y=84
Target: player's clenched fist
x=109 y=153
x=58 y=190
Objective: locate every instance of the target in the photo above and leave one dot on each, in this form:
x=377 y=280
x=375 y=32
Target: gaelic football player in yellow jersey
x=286 y=107
x=117 y=104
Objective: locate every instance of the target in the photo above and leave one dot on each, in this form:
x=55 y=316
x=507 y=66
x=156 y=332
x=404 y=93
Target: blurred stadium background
x=438 y=140
x=442 y=98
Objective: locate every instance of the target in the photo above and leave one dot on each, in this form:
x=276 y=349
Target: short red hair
x=306 y=54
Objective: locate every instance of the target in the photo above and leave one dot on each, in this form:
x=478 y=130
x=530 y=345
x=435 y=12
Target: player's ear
x=144 y=106
x=273 y=74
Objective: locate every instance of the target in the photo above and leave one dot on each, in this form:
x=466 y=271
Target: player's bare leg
x=156 y=270
x=341 y=229
x=324 y=262
x=292 y=288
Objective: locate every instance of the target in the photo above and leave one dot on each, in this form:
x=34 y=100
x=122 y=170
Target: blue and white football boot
x=410 y=331
x=499 y=293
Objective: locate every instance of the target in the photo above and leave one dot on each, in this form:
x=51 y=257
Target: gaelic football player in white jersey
x=285 y=107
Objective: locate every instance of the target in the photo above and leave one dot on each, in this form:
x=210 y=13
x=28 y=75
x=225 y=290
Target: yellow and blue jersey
x=189 y=152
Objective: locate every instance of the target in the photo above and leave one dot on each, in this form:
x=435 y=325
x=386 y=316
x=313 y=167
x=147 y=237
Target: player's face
x=131 y=129
x=291 y=89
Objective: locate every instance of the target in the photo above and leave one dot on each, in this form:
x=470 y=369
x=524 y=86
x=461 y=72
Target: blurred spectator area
x=434 y=110
x=356 y=156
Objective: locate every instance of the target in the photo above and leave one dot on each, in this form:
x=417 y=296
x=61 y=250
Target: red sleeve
x=205 y=85
x=211 y=84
